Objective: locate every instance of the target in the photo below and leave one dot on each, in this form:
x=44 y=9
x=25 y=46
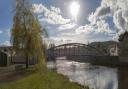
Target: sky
x=96 y=20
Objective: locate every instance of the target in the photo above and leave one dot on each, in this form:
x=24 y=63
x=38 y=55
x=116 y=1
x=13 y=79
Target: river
x=97 y=77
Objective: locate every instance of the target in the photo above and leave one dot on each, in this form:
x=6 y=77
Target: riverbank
x=47 y=80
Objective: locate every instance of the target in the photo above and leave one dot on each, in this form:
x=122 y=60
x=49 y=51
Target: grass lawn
x=46 y=80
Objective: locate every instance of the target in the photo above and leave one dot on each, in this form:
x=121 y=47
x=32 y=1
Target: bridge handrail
x=77 y=44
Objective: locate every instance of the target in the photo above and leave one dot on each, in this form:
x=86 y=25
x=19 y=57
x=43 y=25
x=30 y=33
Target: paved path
x=8 y=74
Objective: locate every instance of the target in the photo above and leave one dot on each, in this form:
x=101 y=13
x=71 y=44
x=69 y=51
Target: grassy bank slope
x=47 y=80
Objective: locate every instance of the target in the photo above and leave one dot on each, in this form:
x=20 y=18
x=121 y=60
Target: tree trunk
x=27 y=63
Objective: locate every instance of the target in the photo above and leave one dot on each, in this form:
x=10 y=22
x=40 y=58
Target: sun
x=74 y=9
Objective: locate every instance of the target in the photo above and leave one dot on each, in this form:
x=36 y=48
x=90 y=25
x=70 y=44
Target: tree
x=26 y=32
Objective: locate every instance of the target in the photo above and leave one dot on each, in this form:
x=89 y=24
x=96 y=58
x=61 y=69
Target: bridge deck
x=82 y=53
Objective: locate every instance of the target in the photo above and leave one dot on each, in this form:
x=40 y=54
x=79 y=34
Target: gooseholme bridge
x=80 y=53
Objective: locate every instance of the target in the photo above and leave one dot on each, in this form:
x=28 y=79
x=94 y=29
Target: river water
x=97 y=77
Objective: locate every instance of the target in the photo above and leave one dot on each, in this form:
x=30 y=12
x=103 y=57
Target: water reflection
x=96 y=77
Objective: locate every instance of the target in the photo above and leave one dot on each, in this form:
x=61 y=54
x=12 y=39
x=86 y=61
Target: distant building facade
x=5 y=56
x=123 y=44
x=8 y=57
x=109 y=47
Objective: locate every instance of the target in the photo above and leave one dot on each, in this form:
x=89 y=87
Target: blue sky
x=5 y=19
x=97 y=20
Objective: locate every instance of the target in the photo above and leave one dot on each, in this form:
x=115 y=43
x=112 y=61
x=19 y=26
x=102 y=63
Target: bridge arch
x=74 y=49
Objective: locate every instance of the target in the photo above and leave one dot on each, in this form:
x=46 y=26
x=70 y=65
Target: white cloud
x=66 y=26
x=103 y=27
x=99 y=26
x=87 y=29
x=117 y=9
x=39 y=8
x=57 y=10
x=119 y=20
x=64 y=30
x=6 y=43
x=1 y=31
x=52 y=15
x=98 y=20
x=101 y=12
x=82 y=34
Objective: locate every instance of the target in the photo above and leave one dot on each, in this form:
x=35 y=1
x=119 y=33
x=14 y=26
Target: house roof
x=5 y=48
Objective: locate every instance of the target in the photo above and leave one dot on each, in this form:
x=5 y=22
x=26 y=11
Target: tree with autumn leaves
x=26 y=36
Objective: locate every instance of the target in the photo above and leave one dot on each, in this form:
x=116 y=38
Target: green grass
x=45 y=80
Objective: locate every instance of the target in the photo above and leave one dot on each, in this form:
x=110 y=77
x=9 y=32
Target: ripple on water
x=96 y=77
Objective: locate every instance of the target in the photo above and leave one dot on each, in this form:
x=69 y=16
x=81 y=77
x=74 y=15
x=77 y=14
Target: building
x=8 y=57
x=107 y=47
x=5 y=56
x=123 y=46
